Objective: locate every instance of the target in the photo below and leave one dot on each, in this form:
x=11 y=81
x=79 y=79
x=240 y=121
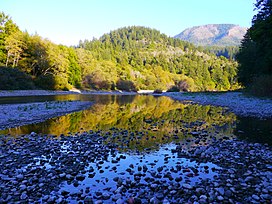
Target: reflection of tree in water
x=254 y=130
x=142 y=120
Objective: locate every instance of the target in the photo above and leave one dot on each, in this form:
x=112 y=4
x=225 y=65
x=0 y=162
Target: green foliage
x=173 y=89
x=155 y=61
x=226 y=51
x=74 y=70
x=45 y=82
x=51 y=82
x=14 y=79
x=262 y=86
x=125 y=85
x=181 y=85
x=129 y=58
x=7 y=28
x=255 y=56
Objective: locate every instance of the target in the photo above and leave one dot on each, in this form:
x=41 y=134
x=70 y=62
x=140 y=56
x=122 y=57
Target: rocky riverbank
x=236 y=102
x=93 y=168
x=12 y=115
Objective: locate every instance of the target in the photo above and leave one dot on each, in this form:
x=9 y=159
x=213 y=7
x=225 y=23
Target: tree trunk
x=17 y=60
x=14 y=61
x=7 y=60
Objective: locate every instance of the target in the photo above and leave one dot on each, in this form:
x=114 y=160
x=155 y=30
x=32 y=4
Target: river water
x=138 y=113
x=145 y=129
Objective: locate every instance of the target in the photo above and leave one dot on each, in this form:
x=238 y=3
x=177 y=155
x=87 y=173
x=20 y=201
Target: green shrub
x=173 y=89
x=262 y=86
x=183 y=86
x=125 y=85
x=96 y=82
x=45 y=82
x=158 y=91
x=14 y=79
x=51 y=82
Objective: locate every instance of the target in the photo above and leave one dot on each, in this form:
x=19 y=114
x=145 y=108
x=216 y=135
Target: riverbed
x=136 y=149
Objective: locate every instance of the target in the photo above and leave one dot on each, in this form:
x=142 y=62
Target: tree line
x=129 y=58
x=225 y=51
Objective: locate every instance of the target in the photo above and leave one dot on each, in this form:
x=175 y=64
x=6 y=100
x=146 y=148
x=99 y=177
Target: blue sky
x=68 y=21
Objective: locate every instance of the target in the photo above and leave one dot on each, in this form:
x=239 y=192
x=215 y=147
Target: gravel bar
x=235 y=101
x=13 y=115
x=13 y=93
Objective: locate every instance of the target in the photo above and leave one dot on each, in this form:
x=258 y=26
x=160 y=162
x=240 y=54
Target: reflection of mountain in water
x=157 y=119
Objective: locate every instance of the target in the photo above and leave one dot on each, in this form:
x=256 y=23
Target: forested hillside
x=228 y=51
x=129 y=58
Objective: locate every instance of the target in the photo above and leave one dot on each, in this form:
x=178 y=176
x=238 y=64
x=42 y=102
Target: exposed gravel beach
x=13 y=115
x=235 y=101
x=48 y=93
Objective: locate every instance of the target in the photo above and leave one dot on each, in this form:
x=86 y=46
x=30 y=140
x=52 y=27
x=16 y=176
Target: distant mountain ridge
x=214 y=35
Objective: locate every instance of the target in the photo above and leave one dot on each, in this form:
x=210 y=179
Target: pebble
x=220 y=198
x=23 y=196
x=145 y=181
x=221 y=191
x=255 y=197
x=187 y=186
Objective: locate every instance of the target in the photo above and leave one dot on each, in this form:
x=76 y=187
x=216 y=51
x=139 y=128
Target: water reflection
x=157 y=119
x=254 y=130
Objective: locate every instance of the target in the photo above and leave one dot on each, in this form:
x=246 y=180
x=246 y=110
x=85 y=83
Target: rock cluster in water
x=36 y=168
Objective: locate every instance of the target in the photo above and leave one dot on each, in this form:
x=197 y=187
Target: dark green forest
x=225 y=51
x=129 y=58
x=255 y=55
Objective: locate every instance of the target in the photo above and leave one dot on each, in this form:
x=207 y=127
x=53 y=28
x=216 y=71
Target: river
x=138 y=134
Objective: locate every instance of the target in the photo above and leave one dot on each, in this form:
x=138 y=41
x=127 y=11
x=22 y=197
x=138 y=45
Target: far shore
x=11 y=93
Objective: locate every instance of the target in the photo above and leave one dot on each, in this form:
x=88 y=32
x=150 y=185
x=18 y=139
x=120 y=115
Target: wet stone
x=187 y=186
x=23 y=196
x=221 y=191
x=160 y=196
x=220 y=198
x=106 y=196
x=255 y=197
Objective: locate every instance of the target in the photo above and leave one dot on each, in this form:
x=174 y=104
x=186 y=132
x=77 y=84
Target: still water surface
x=161 y=116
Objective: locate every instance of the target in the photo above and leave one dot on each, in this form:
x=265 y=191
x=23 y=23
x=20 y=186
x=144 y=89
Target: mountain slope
x=213 y=35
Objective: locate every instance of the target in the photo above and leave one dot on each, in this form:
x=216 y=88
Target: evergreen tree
x=255 y=56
